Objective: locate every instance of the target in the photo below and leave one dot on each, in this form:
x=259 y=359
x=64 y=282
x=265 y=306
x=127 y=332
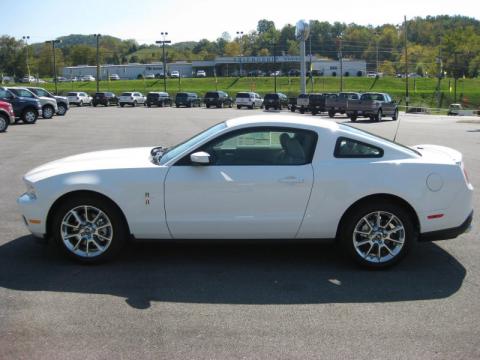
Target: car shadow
x=219 y=273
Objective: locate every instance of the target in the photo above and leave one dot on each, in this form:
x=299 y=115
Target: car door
x=256 y=185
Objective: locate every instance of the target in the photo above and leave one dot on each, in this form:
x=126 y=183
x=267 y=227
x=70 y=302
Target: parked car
x=28 y=79
x=276 y=101
x=49 y=105
x=114 y=77
x=339 y=103
x=256 y=177
x=294 y=72
x=160 y=99
x=62 y=101
x=175 y=74
x=316 y=103
x=218 y=99
x=149 y=76
x=201 y=73
x=28 y=109
x=187 y=99
x=7 y=116
x=87 y=78
x=104 y=98
x=79 y=98
x=372 y=105
x=61 y=79
x=250 y=100
x=458 y=110
x=131 y=98
x=303 y=103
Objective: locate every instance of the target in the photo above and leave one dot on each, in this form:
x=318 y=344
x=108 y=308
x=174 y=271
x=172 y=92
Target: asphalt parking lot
x=205 y=301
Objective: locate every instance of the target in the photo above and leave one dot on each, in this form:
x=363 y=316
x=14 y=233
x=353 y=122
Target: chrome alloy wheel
x=86 y=231
x=379 y=236
x=30 y=117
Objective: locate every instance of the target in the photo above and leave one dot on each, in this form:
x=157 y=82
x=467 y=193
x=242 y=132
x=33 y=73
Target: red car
x=6 y=115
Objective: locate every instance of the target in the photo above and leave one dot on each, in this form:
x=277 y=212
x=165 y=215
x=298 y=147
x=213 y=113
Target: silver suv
x=248 y=99
x=62 y=101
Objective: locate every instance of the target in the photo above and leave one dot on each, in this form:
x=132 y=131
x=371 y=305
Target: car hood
x=60 y=97
x=94 y=161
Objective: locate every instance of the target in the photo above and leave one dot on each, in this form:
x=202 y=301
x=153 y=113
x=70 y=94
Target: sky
x=187 y=20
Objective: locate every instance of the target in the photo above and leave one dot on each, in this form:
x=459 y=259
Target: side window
x=263 y=146
x=350 y=148
x=3 y=94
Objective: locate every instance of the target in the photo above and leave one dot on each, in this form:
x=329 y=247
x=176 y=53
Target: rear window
x=99 y=94
x=316 y=97
x=243 y=95
x=211 y=95
x=303 y=96
x=271 y=97
x=153 y=95
x=72 y=94
x=126 y=94
x=378 y=97
x=182 y=95
x=350 y=148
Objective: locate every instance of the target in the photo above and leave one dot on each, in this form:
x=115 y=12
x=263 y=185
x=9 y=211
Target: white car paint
x=131 y=98
x=79 y=98
x=238 y=201
x=253 y=99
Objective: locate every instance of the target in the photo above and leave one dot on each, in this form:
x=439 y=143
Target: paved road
x=226 y=301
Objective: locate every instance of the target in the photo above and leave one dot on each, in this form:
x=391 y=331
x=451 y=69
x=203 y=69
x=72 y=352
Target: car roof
x=282 y=120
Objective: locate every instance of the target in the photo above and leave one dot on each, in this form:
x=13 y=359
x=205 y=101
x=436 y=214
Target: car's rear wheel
x=122 y=104
x=302 y=111
x=353 y=117
x=4 y=122
x=80 y=103
x=29 y=116
x=238 y=107
x=378 y=234
x=89 y=229
x=379 y=115
x=134 y=103
x=62 y=109
x=47 y=112
x=331 y=113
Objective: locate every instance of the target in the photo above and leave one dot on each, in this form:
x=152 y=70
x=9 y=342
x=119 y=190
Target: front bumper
x=33 y=215
x=450 y=233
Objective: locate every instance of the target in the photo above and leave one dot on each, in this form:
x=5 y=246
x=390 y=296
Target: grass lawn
x=422 y=90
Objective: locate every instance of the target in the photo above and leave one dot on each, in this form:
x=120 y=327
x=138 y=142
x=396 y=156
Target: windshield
x=180 y=148
x=211 y=95
x=363 y=132
x=126 y=94
x=182 y=95
x=271 y=97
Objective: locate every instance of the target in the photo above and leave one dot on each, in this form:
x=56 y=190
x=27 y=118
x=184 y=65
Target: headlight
x=31 y=190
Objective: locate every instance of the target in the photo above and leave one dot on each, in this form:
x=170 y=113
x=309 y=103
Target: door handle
x=291 y=180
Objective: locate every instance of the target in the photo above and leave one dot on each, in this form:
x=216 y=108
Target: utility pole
x=240 y=36
x=455 y=76
x=340 y=57
x=97 y=36
x=274 y=68
x=311 y=70
x=163 y=42
x=407 y=100
x=25 y=40
x=53 y=42
x=376 y=48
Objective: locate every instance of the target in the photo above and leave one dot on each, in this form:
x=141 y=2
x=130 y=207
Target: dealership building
x=222 y=66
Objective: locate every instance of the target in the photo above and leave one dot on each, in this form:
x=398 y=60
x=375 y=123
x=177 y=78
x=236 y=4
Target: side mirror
x=200 y=158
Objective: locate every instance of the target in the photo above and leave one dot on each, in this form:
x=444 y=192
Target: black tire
x=302 y=111
x=252 y=106
x=134 y=103
x=267 y=108
x=238 y=107
x=292 y=109
x=353 y=117
x=80 y=104
x=4 y=122
x=114 y=215
x=62 y=109
x=395 y=115
x=30 y=116
x=149 y=105
x=207 y=106
x=177 y=106
x=94 y=104
x=378 y=116
x=48 y=111
x=122 y=104
x=280 y=107
x=331 y=114
x=354 y=218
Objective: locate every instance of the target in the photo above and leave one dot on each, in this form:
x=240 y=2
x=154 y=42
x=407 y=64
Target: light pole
x=97 y=36
x=311 y=68
x=376 y=48
x=163 y=42
x=340 y=57
x=53 y=42
x=240 y=36
x=274 y=66
x=25 y=40
x=407 y=100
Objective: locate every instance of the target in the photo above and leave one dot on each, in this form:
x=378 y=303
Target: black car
x=219 y=99
x=275 y=101
x=158 y=99
x=105 y=99
x=26 y=108
x=187 y=99
x=316 y=103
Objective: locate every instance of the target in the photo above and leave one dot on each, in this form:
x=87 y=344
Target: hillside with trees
x=453 y=41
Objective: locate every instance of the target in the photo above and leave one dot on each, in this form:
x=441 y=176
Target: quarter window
x=350 y=148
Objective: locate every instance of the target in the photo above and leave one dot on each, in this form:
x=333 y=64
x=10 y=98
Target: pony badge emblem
x=147 y=198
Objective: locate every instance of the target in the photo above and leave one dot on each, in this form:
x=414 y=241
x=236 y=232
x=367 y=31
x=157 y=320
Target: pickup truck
x=338 y=103
x=373 y=106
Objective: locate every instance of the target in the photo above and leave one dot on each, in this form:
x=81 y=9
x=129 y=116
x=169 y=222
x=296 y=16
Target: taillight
x=465 y=174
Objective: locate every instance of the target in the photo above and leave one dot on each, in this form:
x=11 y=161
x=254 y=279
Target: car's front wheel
x=4 y=122
x=30 y=116
x=378 y=234
x=47 y=112
x=62 y=109
x=89 y=229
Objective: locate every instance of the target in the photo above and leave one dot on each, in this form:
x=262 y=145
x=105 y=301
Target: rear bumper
x=450 y=233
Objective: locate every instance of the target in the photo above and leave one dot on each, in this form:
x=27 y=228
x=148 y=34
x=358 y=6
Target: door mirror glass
x=200 y=158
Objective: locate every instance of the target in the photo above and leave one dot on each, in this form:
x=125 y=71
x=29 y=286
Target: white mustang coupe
x=275 y=177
